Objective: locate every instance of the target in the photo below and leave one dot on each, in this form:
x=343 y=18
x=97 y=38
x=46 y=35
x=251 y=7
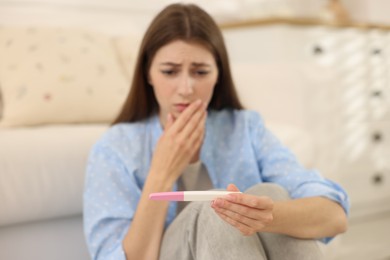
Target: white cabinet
x=361 y=126
x=342 y=76
x=360 y=133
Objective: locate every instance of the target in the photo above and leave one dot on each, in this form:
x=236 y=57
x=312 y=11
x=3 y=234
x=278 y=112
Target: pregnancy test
x=190 y=195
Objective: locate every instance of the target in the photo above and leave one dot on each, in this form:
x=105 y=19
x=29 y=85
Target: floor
x=367 y=238
x=56 y=239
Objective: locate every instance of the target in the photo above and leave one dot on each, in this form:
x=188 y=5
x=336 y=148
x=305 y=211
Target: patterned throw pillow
x=1 y=104
x=59 y=76
x=127 y=47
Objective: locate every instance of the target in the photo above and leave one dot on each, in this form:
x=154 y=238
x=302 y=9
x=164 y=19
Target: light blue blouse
x=237 y=149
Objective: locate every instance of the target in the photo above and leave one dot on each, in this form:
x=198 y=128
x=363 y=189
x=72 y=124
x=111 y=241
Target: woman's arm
x=144 y=236
x=314 y=217
x=317 y=208
x=179 y=143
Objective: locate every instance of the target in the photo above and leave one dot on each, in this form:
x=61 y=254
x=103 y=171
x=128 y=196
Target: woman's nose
x=186 y=85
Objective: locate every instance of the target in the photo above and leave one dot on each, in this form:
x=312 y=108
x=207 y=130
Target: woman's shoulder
x=125 y=133
x=125 y=130
x=246 y=116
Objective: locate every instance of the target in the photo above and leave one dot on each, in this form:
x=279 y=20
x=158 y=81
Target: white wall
x=374 y=11
x=118 y=15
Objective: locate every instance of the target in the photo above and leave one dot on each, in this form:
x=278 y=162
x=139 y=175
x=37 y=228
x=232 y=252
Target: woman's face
x=180 y=74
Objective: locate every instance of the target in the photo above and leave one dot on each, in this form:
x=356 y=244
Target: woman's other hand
x=180 y=142
x=248 y=213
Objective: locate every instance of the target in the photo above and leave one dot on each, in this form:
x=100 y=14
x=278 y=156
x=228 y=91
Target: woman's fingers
x=259 y=202
x=246 y=212
x=194 y=131
x=190 y=137
x=169 y=121
x=186 y=116
x=245 y=229
x=195 y=124
x=232 y=187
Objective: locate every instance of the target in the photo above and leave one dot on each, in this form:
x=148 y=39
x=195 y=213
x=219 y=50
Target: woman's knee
x=272 y=190
x=205 y=216
x=197 y=209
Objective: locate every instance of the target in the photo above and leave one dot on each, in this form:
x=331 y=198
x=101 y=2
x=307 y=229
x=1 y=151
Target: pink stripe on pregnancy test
x=190 y=195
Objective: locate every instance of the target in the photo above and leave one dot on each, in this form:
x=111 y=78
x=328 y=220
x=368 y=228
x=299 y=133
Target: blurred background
x=317 y=70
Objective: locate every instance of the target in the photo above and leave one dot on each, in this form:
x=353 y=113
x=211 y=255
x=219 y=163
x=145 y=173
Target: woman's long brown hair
x=178 y=22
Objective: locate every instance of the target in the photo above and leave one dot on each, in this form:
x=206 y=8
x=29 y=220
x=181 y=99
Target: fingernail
x=218 y=202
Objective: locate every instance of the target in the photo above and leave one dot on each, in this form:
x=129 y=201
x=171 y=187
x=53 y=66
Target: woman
x=183 y=127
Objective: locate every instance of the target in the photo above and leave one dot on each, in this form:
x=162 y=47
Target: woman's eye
x=168 y=72
x=202 y=72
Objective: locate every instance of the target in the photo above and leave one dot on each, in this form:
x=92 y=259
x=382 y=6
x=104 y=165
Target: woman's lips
x=181 y=107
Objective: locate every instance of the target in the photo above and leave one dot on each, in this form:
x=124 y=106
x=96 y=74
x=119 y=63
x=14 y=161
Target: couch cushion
x=58 y=75
x=42 y=170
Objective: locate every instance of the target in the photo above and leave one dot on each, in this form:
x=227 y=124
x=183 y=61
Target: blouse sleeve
x=110 y=198
x=278 y=165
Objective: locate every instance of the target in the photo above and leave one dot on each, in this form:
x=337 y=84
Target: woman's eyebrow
x=168 y=63
x=195 y=64
x=200 y=64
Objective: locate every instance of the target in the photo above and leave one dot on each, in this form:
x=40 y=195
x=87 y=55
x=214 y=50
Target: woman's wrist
x=158 y=181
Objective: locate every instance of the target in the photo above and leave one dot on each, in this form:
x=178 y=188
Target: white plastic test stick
x=190 y=195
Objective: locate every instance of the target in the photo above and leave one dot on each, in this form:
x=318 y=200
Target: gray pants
x=199 y=233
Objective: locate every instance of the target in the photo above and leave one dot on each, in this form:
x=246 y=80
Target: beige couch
x=60 y=89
